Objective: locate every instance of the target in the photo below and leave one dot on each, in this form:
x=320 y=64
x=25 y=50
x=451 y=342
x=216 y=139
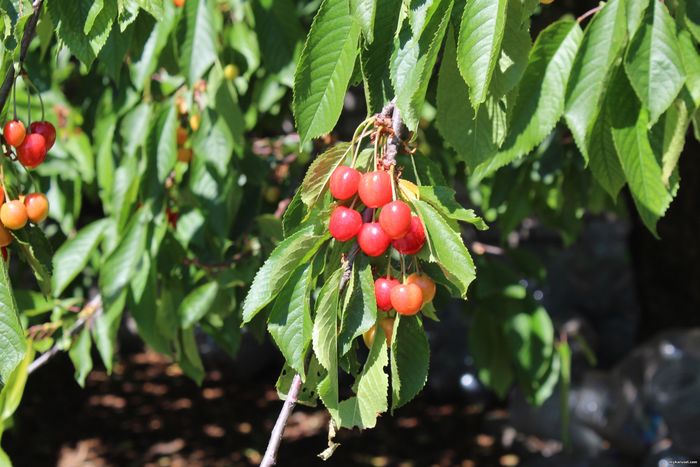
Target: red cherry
x=382 y=292
x=344 y=181
x=407 y=299
x=345 y=223
x=32 y=151
x=375 y=189
x=372 y=239
x=14 y=132
x=395 y=219
x=45 y=129
x=413 y=241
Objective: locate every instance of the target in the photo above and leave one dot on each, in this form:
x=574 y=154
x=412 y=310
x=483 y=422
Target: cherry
x=395 y=219
x=45 y=129
x=184 y=155
x=382 y=290
x=345 y=223
x=32 y=151
x=37 y=207
x=14 y=132
x=375 y=189
x=414 y=240
x=372 y=239
x=387 y=325
x=407 y=299
x=426 y=284
x=231 y=72
x=344 y=182
x=179 y=3
x=181 y=136
x=13 y=215
x=5 y=238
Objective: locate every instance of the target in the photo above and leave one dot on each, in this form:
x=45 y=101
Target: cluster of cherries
x=397 y=227
x=31 y=146
x=31 y=152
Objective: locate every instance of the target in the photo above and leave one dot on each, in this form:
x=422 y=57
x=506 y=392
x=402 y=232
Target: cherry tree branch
x=24 y=47
x=89 y=311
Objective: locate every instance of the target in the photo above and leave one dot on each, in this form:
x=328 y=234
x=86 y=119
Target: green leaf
x=360 y=313
x=653 y=62
x=143 y=66
x=635 y=13
x=188 y=356
x=95 y=9
x=540 y=101
x=290 y=322
x=564 y=352
x=316 y=179
x=488 y=346
x=280 y=34
x=447 y=248
x=12 y=343
x=198 y=52
x=413 y=61
x=36 y=250
x=530 y=337
x=153 y=7
x=639 y=164
x=667 y=137
x=75 y=253
x=307 y=394
x=274 y=273
x=410 y=357
x=479 y=45
x=691 y=15
x=161 y=147
x=363 y=11
x=80 y=355
x=372 y=385
x=472 y=136
x=602 y=44
x=325 y=69
x=377 y=79
x=443 y=199
x=71 y=19
x=515 y=48
x=197 y=304
x=691 y=63
x=11 y=393
x=602 y=155
x=325 y=340
x=119 y=267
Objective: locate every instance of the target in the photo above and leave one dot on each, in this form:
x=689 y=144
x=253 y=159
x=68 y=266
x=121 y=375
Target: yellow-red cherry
x=45 y=129
x=387 y=325
x=14 y=132
x=13 y=215
x=344 y=182
x=375 y=189
x=32 y=151
x=382 y=292
x=37 y=207
x=345 y=223
x=413 y=241
x=426 y=284
x=5 y=238
x=372 y=239
x=395 y=219
x=407 y=299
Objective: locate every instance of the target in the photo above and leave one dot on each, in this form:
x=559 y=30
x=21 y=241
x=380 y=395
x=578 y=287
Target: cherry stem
x=388 y=264
x=38 y=93
x=14 y=98
x=415 y=170
x=403 y=269
x=393 y=183
x=589 y=13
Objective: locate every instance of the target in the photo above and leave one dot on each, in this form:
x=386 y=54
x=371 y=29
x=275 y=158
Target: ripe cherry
x=344 y=182
x=375 y=189
x=13 y=215
x=5 y=238
x=32 y=151
x=407 y=299
x=45 y=129
x=414 y=240
x=37 y=207
x=426 y=284
x=179 y=3
x=372 y=239
x=14 y=132
x=345 y=223
x=181 y=136
x=382 y=291
x=395 y=219
x=184 y=155
x=387 y=325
